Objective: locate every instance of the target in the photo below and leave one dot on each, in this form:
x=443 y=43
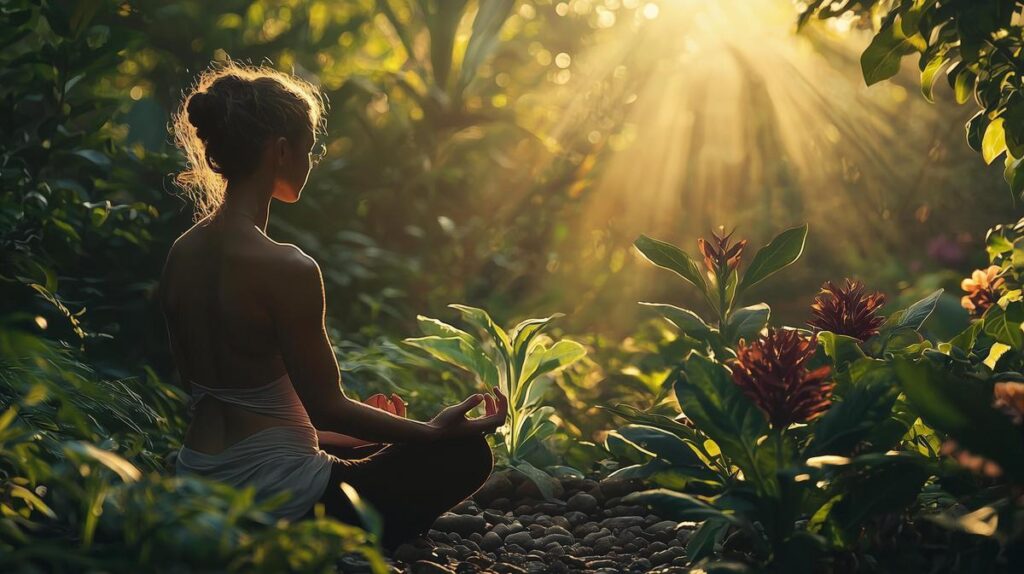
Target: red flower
x=847 y=310
x=771 y=372
x=719 y=255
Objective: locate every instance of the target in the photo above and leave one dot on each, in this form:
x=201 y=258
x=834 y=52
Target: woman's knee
x=471 y=455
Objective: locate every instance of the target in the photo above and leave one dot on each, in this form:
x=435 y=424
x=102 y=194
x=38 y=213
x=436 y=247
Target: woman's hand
x=452 y=422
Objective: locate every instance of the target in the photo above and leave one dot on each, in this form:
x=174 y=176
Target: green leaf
x=668 y=256
x=962 y=408
x=976 y=127
x=881 y=59
x=966 y=339
x=915 y=315
x=840 y=348
x=460 y=353
x=660 y=443
x=866 y=404
x=677 y=505
x=1013 y=174
x=544 y=481
x=930 y=74
x=702 y=543
x=436 y=328
x=490 y=17
x=368 y=515
x=747 y=322
x=1004 y=325
x=480 y=319
x=523 y=334
x=993 y=144
x=963 y=85
x=887 y=486
x=113 y=461
x=781 y=252
x=544 y=360
x=708 y=396
x=686 y=320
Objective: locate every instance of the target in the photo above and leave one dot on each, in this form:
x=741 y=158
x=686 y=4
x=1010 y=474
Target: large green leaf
x=668 y=256
x=708 y=396
x=747 y=322
x=780 y=252
x=677 y=505
x=524 y=333
x=686 y=320
x=480 y=319
x=544 y=481
x=881 y=59
x=543 y=360
x=962 y=408
x=840 y=348
x=710 y=533
x=887 y=485
x=461 y=353
x=1004 y=325
x=866 y=404
x=661 y=444
x=434 y=327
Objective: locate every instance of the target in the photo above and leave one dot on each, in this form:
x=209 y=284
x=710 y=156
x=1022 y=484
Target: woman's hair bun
x=204 y=111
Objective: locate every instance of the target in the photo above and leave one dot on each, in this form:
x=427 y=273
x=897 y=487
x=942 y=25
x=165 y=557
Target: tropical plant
x=721 y=285
x=517 y=362
x=785 y=436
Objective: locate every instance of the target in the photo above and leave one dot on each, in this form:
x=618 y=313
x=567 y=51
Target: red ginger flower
x=981 y=289
x=771 y=372
x=718 y=254
x=847 y=310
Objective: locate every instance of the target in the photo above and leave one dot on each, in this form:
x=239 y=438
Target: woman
x=245 y=316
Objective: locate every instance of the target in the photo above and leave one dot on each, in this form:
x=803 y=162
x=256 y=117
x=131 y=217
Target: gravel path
x=507 y=528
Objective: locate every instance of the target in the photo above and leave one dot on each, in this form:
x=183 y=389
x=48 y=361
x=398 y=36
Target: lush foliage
x=978 y=45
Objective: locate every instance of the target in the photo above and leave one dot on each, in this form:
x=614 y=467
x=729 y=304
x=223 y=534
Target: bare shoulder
x=291 y=272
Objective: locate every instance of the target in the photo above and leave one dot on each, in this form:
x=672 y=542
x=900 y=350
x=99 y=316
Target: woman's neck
x=248 y=202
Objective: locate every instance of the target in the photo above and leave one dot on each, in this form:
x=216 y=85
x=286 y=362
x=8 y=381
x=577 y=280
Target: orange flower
x=1009 y=398
x=981 y=289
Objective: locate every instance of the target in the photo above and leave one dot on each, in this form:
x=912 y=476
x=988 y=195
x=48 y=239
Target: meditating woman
x=245 y=316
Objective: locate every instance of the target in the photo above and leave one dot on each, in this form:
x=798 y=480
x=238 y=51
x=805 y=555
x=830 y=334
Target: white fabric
x=286 y=457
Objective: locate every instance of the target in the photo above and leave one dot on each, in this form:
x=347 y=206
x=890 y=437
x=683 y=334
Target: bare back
x=216 y=293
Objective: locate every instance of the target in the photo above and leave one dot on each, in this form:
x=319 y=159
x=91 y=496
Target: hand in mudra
x=452 y=422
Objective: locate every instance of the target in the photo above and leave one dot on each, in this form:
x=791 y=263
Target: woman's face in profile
x=293 y=171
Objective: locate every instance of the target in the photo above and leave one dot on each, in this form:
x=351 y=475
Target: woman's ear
x=281 y=150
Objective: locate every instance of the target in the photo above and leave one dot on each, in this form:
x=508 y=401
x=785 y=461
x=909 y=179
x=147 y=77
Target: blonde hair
x=227 y=116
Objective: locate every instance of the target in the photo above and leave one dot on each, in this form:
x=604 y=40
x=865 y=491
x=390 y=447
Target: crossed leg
x=409 y=485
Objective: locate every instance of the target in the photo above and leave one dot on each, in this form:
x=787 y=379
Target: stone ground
x=507 y=528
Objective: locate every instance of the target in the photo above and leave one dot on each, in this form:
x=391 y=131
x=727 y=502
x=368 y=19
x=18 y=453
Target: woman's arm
x=298 y=310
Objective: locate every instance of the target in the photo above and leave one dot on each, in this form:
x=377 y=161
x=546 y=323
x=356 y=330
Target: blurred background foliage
x=503 y=154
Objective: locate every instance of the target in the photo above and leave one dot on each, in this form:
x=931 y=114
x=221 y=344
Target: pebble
x=460 y=523
x=619 y=522
x=522 y=539
x=667 y=555
x=575 y=517
x=582 y=502
x=491 y=541
x=593 y=537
